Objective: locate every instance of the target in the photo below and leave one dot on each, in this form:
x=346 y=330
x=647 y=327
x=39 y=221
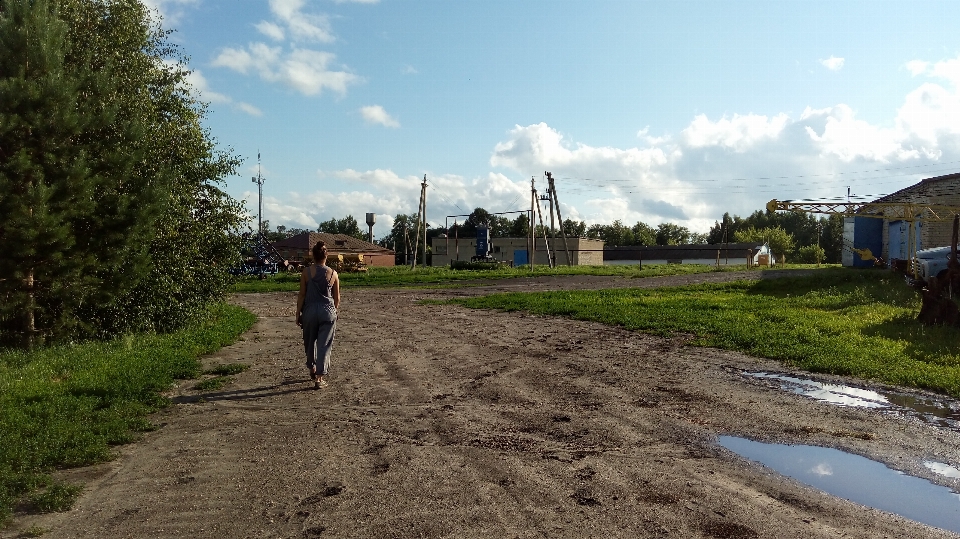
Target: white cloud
x=409 y=70
x=271 y=30
x=249 y=109
x=822 y=469
x=305 y=70
x=738 y=132
x=917 y=67
x=302 y=26
x=356 y=1
x=833 y=63
x=199 y=83
x=289 y=62
x=375 y=114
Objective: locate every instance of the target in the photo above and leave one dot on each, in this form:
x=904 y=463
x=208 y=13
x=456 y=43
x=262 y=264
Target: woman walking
x=317 y=306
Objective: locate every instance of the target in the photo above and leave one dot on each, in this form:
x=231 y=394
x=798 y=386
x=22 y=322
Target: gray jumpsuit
x=319 y=320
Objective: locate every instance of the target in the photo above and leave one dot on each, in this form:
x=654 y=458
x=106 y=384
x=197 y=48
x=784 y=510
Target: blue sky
x=672 y=111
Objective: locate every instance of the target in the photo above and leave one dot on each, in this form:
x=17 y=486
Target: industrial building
x=583 y=251
x=750 y=254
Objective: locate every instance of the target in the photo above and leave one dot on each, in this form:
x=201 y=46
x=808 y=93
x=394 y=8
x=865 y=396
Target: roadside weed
x=211 y=384
x=57 y=497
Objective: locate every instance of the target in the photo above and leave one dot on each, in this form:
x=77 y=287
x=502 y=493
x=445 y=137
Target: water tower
x=371 y=220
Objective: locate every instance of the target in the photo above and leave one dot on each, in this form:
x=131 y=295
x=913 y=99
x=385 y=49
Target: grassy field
x=434 y=276
x=66 y=406
x=842 y=321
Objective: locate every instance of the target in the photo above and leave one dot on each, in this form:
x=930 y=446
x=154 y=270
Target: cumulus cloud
x=737 y=132
x=271 y=30
x=732 y=163
x=199 y=83
x=305 y=70
x=833 y=63
x=302 y=26
x=375 y=114
x=291 y=61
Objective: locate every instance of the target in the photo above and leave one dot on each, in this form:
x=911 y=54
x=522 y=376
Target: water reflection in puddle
x=945 y=470
x=857 y=479
x=940 y=412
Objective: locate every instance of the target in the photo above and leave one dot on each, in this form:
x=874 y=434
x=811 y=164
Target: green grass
x=439 y=276
x=842 y=321
x=65 y=406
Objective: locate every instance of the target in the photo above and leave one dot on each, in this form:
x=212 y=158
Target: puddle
x=859 y=480
x=941 y=412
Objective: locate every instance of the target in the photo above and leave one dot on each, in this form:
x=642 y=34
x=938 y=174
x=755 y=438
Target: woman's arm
x=303 y=293
x=336 y=290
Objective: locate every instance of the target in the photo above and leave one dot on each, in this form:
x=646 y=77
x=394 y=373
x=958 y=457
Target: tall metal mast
x=259 y=181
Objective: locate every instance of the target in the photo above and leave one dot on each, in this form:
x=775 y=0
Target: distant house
x=751 y=254
x=297 y=248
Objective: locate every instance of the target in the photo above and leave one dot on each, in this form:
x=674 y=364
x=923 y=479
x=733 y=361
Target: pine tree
x=44 y=179
x=111 y=219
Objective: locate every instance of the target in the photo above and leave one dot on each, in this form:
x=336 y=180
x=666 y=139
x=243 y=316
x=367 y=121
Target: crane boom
x=893 y=211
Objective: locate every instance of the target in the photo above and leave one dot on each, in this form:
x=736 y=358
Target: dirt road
x=446 y=422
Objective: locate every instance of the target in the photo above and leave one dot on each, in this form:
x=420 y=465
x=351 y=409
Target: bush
x=810 y=254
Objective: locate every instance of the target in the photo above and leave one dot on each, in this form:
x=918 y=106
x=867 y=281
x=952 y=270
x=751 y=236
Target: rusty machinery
x=938 y=305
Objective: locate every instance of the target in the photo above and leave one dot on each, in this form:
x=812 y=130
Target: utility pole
x=259 y=181
x=421 y=220
x=551 y=251
x=424 y=188
x=532 y=232
x=546 y=242
x=260 y=238
x=563 y=233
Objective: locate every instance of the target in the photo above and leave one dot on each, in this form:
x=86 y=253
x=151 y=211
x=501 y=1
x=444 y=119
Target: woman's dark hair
x=319 y=251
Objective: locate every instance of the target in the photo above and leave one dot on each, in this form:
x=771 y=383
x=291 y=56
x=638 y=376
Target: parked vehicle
x=931 y=262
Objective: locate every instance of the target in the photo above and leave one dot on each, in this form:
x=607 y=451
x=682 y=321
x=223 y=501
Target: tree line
x=112 y=219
